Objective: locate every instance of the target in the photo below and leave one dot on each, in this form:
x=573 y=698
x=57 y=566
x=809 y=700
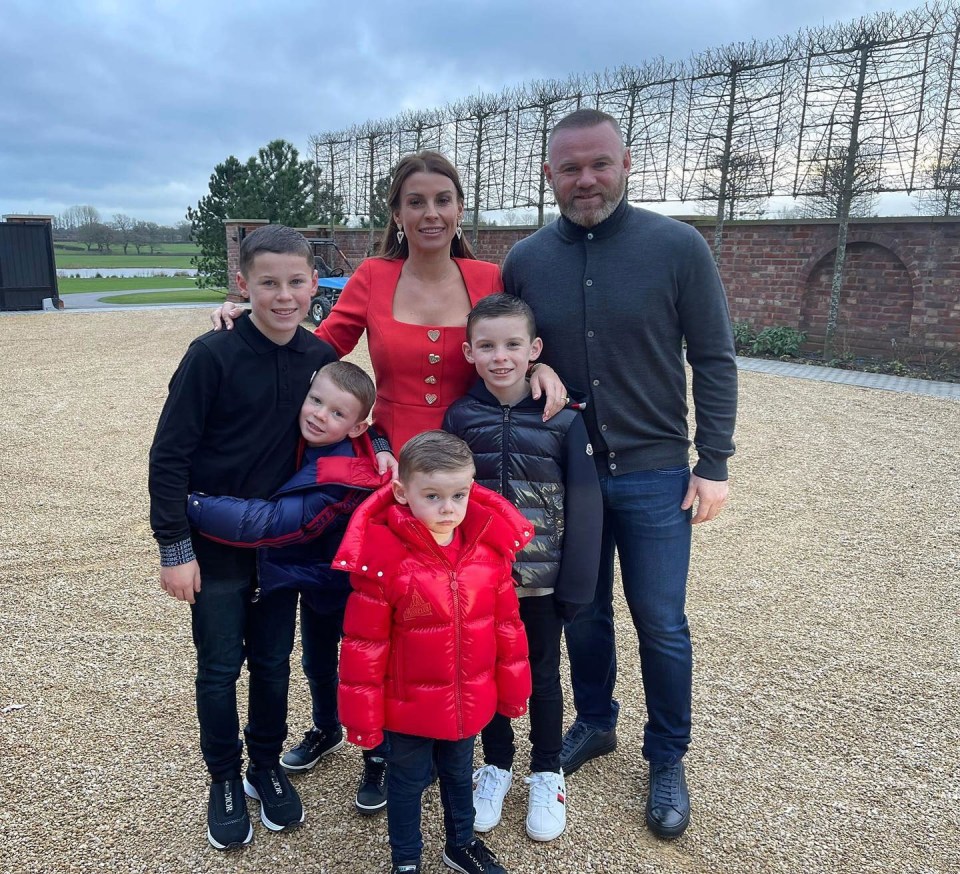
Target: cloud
x=130 y=106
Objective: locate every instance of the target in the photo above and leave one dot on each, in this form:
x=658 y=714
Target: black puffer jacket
x=546 y=470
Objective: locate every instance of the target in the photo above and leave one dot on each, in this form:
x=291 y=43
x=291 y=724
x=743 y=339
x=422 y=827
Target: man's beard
x=588 y=218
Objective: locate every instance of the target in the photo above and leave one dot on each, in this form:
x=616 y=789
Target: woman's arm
x=347 y=321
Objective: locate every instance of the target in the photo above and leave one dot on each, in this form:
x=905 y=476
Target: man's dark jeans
x=228 y=629
x=643 y=520
x=410 y=761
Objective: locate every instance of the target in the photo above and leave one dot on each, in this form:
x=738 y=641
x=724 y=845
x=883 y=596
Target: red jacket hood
x=370 y=543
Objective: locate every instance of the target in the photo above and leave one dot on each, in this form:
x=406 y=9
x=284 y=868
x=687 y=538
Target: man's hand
x=224 y=316
x=182 y=581
x=710 y=495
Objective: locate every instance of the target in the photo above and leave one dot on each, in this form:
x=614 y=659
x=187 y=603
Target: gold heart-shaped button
x=431 y=380
x=434 y=335
x=432 y=358
x=430 y=398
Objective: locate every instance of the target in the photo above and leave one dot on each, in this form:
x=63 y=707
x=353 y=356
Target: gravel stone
x=823 y=606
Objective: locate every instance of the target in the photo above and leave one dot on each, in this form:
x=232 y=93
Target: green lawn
x=174 y=256
x=199 y=295
x=73 y=286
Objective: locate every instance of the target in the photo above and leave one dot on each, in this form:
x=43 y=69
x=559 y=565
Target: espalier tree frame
x=833 y=116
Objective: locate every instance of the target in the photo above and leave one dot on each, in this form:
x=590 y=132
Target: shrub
x=743 y=336
x=778 y=342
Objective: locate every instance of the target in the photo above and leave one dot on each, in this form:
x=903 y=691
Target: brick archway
x=876 y=301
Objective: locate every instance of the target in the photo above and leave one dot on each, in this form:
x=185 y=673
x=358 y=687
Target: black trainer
x=406 y=868
x=372 y=790
x=475 y=858
x=228 y=823
x=668 y=804
x=315 y=745
x=582 y=743
x=280 y=805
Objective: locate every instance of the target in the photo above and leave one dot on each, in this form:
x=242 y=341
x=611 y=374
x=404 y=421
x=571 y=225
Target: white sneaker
x=547 y=810
x=490 y=787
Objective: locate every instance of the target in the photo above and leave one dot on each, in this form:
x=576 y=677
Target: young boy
x=298 y=530
x=433 y=643
x=546 y=470
x=229 y=427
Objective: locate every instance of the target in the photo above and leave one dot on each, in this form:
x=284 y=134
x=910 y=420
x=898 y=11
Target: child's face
x=279 y=287
x=329 y=414
x=437 y=499
x=501 y=349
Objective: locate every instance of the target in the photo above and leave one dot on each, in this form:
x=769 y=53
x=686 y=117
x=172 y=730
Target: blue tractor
x=330 y=279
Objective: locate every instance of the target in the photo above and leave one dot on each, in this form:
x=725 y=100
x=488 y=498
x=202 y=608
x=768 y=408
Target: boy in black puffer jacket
x=546 y=470
x=297 y=532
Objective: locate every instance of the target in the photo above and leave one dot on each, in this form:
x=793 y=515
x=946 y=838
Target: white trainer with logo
x=547 y=808
x=490 y=787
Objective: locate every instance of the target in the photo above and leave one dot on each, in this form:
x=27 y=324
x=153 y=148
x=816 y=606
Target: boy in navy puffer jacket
x=546 y=470
x=297 y=532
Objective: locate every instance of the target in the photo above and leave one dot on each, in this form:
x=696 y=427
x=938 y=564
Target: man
x=617 y=291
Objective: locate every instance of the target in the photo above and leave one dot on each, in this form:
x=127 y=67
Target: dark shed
x=28 y=273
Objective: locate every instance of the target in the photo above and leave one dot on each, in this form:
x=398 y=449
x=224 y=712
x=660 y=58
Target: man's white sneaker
x=490 y=787
x=547 y=810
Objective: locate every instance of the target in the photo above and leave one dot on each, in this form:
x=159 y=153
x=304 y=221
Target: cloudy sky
x=128 y=106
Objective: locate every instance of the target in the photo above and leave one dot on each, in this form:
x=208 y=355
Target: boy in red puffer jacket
x=433 y=644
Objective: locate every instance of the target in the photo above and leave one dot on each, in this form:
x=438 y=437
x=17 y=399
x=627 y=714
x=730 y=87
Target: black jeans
x=410 y=760
x=227 y=630
x=320 y=634
x=544 y=628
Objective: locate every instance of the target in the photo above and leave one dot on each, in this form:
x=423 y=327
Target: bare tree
x=943 y=195
x=123 y=227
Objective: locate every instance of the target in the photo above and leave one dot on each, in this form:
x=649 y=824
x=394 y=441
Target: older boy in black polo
x=229 y=426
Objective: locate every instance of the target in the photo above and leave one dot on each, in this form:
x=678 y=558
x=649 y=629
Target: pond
x=123 y=272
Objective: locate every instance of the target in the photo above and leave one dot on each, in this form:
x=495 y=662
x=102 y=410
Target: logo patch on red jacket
x=418 y=606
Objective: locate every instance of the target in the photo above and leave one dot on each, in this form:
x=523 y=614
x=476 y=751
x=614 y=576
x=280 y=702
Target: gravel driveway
x=823 y=605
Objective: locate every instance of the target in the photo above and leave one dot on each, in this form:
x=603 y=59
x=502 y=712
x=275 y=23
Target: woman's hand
x=225 y=315
x=385 y=462
x=544 y=380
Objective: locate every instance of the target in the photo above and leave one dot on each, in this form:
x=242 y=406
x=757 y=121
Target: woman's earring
x=459 y=232
x=400 y=237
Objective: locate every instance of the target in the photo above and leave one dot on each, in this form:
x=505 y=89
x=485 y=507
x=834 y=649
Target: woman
x=413 y=299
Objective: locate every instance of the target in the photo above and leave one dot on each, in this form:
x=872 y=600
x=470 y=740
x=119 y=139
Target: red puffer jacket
x=431 y=649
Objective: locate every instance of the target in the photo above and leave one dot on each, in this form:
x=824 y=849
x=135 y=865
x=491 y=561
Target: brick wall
x=901 y=290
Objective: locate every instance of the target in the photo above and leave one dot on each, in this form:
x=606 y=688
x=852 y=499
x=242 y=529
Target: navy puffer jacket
x=298 y=530
x=546 y=470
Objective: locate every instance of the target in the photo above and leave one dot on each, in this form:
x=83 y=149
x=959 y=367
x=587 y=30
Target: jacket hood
x=370 y=544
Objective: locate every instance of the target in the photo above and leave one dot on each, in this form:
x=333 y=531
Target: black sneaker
x=372 y=791
x=228 y=823
x=315 y=745
x=280 y=806
x=406 y=868
x=582 y=743
x=668 y=804
x=474 y=858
